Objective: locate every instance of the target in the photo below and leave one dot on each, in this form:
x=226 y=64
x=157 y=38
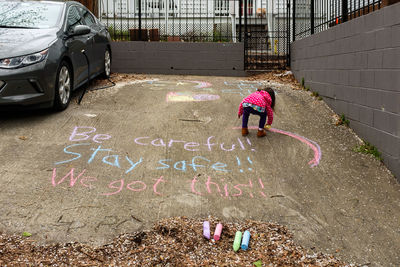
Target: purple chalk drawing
x=205 y=97
x=313 y=145
x=189 y=97
x=201 y=85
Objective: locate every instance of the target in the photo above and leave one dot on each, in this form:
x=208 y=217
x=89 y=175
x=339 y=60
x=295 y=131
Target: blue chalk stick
x=245 y=240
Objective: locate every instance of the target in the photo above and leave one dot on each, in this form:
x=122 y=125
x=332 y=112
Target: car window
x=29 y=14
x=87 y=18
x=73 y=18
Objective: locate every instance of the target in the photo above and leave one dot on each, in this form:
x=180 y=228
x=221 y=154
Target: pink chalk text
x=206 y=186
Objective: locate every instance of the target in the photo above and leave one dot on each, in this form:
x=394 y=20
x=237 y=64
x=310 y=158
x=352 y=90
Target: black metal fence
x=261 y=24
x=267 y=27
x=314 y=16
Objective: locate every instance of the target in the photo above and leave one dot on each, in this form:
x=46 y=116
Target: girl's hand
x=238 y=116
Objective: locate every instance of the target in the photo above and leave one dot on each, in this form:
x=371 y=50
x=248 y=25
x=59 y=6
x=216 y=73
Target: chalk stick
x=238 y=239
x=206 y=229
x=217 y=233
x=245 y=240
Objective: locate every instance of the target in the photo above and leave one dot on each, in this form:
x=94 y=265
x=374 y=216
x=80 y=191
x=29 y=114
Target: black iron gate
x=266 y=27
x=266 y=35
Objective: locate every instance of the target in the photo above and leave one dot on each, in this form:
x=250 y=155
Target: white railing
x=189 y=8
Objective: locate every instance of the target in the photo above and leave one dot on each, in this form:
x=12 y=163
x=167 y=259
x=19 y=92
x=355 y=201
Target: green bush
x=367 y=148
x=118 y=35
x=315 y=94
x=343 y=121
x=217 y=37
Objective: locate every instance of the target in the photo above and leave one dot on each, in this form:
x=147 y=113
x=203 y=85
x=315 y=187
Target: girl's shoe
x=245 y=131
x=261 y=133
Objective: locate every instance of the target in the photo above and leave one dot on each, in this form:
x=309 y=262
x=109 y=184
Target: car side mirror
x=80 y=30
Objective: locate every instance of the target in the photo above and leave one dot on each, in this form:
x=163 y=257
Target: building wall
x=355 y=66
x=221 y=59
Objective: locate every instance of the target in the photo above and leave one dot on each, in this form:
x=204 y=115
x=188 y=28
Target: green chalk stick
x=26 y=234
x=238 y=240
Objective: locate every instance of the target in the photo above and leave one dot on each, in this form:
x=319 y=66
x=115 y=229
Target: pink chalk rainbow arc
x=313 y=145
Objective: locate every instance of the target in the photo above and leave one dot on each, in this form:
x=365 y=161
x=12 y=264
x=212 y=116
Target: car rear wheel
x=62 y=95
x=107 y=64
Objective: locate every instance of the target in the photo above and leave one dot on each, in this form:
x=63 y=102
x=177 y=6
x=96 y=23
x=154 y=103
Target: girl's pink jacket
x=261 y=99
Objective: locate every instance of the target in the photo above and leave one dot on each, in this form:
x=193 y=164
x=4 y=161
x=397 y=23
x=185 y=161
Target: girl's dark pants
x=246 y=114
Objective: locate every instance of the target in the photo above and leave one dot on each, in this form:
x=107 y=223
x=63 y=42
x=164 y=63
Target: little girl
x=261 y=103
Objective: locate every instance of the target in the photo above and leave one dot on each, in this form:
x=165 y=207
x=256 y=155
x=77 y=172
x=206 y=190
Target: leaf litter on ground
x=174 y=241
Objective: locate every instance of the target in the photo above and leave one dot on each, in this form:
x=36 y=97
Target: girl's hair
x=271 y=93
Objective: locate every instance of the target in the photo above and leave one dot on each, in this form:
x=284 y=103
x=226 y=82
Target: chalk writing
x=79 y=135
x=84 y=133
x=159 y=84
x=117 y=185
x=197 y=186
x=112 y=160
x=69 y=174
x=189 y=97
x=248 y=159
x=98 y=153
x=242 y=87
x=89 y=146
x=209 y=145
x=156 y=84
x=116 y=160
x=134 y=186
x=181 y=165
x=210 y=186
x=202 y=85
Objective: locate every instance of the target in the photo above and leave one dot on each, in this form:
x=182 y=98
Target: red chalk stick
x=217 y=233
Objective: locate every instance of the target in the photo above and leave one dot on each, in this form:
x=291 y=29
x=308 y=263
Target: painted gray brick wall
x=355 y=66
x=220 y=59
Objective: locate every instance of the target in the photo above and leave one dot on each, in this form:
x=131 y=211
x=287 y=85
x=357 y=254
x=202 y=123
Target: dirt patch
x=171 y=242
x=280 y=76
x=115 y=77
x=100 y=87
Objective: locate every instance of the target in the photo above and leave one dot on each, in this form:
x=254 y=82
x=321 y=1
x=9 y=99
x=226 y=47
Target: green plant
x=302 y=82
x=218 y=37
x=367 y=148
x=307 y=88
x=343 y=120
x=118 y=34
x=315 y=94
x=319 y=98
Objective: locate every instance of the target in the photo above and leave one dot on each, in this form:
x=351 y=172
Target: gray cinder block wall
x=220 y=59
x=355 y=66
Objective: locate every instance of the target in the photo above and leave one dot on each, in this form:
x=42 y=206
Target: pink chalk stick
x=217 y=233
x=206 y=229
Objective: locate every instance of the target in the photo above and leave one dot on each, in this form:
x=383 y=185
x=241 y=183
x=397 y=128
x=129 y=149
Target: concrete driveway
x=172 y=146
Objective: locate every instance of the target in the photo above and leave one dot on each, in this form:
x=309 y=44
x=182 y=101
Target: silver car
x=47 y=50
